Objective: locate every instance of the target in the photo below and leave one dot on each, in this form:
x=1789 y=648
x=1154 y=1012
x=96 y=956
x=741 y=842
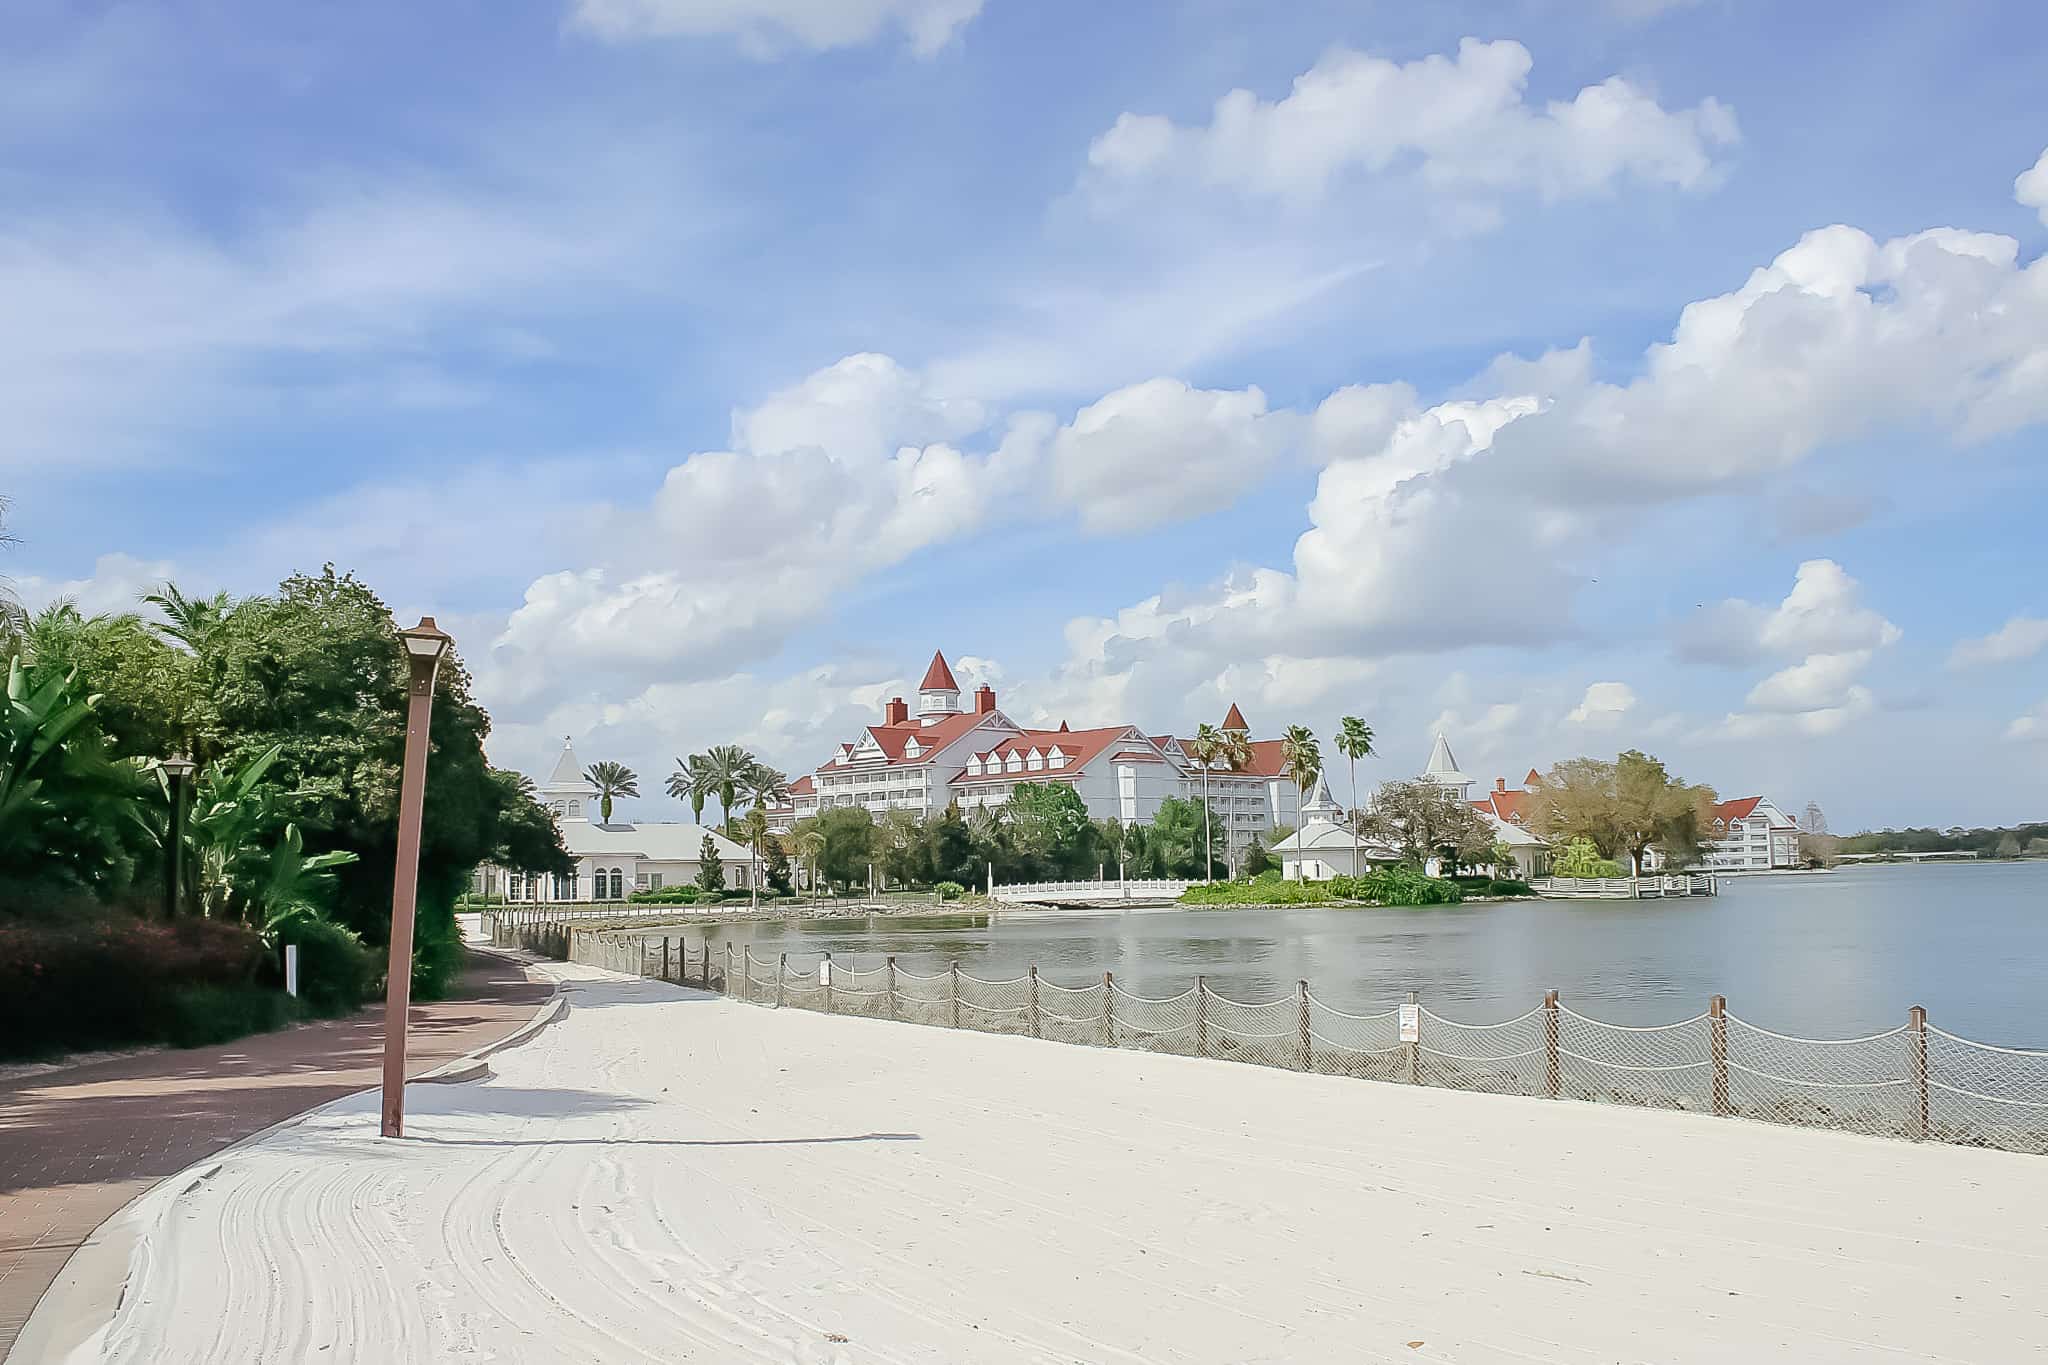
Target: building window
x=569 y=887
x=618 y=884
x=575 y=809
x=654 y=881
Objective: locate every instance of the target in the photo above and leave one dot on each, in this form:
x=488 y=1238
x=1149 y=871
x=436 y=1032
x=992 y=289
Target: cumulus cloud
x=766 y=28
x=2031 y=726
x=2020 y=638
x=1463 y=123
x=2031 y=187
x=1603 y=706
x=116 y=584
x=1822 y=614
x=1162 y=451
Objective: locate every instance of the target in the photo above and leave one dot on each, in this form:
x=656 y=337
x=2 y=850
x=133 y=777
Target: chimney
x=895 y=712
x=1500 y=784
x=984 y=700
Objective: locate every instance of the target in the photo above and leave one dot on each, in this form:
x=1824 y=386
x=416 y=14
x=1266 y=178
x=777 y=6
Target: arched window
x=575 y=809
x=618 y=885
x=568 y=884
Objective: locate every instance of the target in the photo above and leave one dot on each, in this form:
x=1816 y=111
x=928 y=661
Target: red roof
x=1534 y=779
x=1234 y=719
x=892 y=739
x=803 y=786
x=938 y=675
x=1080 y=747
x=1506 y=804
x=1266 y=759
x=1736 y=810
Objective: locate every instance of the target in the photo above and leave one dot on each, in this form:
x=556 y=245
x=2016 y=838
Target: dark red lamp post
x=425 y=646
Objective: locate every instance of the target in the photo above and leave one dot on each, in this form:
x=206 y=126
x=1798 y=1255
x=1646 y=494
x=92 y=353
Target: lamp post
x=177 y=768
x=425 y=645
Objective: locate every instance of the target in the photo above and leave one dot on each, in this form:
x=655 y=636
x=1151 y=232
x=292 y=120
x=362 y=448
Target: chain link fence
x=1915 y=1081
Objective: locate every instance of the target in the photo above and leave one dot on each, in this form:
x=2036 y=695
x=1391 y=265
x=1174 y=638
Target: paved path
x=78 y=1143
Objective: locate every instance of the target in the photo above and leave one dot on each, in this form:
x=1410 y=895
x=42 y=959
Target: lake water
x=1825 y=955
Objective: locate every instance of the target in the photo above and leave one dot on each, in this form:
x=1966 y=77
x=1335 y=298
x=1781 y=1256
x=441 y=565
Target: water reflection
x=1840 y=954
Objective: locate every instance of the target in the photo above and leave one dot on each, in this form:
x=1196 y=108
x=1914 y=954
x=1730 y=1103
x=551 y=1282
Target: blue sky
x=1568 y=376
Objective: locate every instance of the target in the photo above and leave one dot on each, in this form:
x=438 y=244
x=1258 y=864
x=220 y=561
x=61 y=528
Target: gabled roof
x=892 y=740
x=1506 y=805
x=1534 y=779
x=938 y=676
x=1319 y=833
x=1738 y=809
x=1234 y=719
x=651 y=841
x=1319 y=799
x=1080 y=746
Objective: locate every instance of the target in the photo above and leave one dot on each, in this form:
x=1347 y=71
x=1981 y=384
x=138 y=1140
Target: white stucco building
x=1325 y=846
x=976 y=756
x=613 y=860
x=1501 y=808
x=1750 y=834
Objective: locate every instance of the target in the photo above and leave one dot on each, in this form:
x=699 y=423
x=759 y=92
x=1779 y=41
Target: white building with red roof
x=977 y=756
x=1750 y=834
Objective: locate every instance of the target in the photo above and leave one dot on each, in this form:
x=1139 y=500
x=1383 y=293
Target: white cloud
x=1463 y=123
x=1820 y=682
x=116 y=585
x=1822 y=614
x=1162 y=451
x=2020 y=638
x=765 y=28
x=2032 y=726
x=1603 y=706
x=2031 y=187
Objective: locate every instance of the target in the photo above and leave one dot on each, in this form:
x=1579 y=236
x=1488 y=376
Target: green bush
x=1508 y=886
x=336 y=972
x=1270 y=877
x=436 y=951
x=104 y=979
x=1258 y=892
x=195 y=1016
x=950 y=891
x=667 y=895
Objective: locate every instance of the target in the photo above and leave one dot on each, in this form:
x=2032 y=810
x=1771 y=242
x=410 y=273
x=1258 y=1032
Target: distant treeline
x=2005 y=842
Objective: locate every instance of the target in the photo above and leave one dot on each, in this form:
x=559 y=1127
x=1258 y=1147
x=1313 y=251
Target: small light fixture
x=177 y=766
x=426 y=640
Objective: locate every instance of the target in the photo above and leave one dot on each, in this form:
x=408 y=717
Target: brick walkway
x=77 y=1144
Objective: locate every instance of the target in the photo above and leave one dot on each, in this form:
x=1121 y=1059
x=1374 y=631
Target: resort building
x=1501 y=808
x=1325 y=845
x=616 y=859
x=976 y=756
x=1751 y=834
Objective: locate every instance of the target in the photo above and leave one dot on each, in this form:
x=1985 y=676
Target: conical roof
x=1319 y=802
x=1442 y=766
x=1234 y=719
x=568 y=773
x=938 y=677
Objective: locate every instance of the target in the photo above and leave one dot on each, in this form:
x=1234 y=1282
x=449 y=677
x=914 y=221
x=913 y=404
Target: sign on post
x=1411 y=1023
x=825 y=971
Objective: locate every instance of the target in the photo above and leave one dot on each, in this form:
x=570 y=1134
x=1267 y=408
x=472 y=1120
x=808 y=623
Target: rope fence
x=1915 y=1081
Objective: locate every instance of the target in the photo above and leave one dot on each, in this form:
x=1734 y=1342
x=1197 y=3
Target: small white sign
x=291 y=969
x=825 y=972
x=1411 y=1023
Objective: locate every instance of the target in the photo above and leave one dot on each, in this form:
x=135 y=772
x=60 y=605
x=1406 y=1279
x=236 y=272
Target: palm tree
x=1303 y=759
x=725 y=768
x=687 y=783
x=809 y=843
x=611 y=779
x=764 y=786
x=1209 y=747
x=193 y=622
x=1354 y=741
x=754 y=828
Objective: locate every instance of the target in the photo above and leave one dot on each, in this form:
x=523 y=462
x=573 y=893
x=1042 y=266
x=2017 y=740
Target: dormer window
x=912 y=749
x=974 y=766
x=1015 y=763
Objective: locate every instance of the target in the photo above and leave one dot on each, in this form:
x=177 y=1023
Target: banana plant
x=295 y=887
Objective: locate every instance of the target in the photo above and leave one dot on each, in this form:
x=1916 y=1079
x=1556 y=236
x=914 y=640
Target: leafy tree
x=1050 y=825
x=949 y=848
x=2009 y=846
x=1581 y=858
x=194 y=622
x=1425 y=820
x=1577 y=800
x=1175 y=844
x=775 y=866
x=611 y=779
x=902 y=849
x=151 y=695
x=710 y=869
x=69 y=813
x=1212 y=747
x=808 y=843
x=1653 y=807
x=1257 y=860
x=848 y=833
x=1354 y=741
x=1303 y=759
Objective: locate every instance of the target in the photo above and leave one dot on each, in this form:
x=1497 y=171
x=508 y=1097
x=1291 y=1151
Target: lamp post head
x=177 y=766
x=426 y=640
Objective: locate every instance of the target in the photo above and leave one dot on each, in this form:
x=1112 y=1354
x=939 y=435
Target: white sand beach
x=665 y=1176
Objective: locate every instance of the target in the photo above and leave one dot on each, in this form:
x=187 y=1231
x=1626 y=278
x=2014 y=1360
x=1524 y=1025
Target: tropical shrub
x=196 y=1016
x=667 y=895
x=950 y=891
x=1580 y=858
x=336 y=972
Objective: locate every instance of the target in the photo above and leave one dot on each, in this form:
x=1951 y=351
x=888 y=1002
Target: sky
x=1565 y=376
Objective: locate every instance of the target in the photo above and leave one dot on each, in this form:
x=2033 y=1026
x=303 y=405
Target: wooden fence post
x=1108 y=1010
x=1717 y=1047
x=953 y=975
x=1553 y=1074
x=1414 y=1049
x=1304 y=1041
x=889 y=982
x=1919 y=1124
x=725 y=982
x=1201 y=1016
x=1031 y=1011
x=825 y=971
x=664 y=959
x=781 y=972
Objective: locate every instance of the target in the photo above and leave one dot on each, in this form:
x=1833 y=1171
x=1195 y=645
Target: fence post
x=1415 y=1048
x=1717 y=1044
x=781 y=971
x=1308 y=1056
x=1916 y=1037
x=1031 y=1013
x=1201 y=1016
x=726 y=981
x=953 y=975
x=1108 y=1010
x=664 y=959
x=1553 y=1075
x=825 y=970
x=889 y=983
